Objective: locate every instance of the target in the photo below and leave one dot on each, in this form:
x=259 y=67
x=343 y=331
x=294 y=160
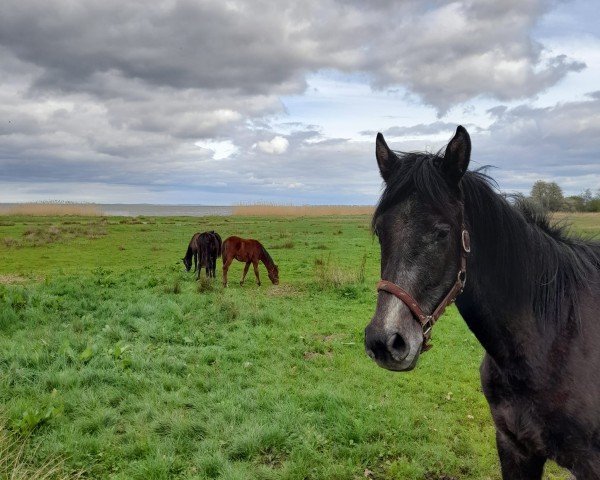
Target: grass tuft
x=205 y=284
x=333 y=274
x=15 y=450
x=284 y=246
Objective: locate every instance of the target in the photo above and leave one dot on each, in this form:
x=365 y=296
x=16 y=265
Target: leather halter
x=427 y=321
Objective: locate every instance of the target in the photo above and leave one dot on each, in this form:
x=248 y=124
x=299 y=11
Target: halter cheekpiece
x=427 y=321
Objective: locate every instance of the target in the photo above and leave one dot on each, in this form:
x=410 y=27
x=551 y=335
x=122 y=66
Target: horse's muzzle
x=391 y=350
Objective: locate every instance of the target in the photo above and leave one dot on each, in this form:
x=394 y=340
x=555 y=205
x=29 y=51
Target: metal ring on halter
x=466 y=241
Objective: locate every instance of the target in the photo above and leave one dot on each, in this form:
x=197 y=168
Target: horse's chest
x=543 y=422
x=516 y=412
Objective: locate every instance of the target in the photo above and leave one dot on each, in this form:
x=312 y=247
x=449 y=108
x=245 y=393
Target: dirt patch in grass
x=284 y=291
x=313 y=355
x=12 y=279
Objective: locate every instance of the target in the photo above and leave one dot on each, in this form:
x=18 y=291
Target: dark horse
x=191 y=253
x=208 y=245
x=251 y=252
x=532 y=299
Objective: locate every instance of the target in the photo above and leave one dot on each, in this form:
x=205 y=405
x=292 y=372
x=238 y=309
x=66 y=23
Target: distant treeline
x=550 y=196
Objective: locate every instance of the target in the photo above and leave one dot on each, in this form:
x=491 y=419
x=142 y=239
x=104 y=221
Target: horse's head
x=419 y=225
x=273 y=273
x=187 y=262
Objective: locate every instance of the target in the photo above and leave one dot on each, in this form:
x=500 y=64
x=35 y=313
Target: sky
x=226 y=102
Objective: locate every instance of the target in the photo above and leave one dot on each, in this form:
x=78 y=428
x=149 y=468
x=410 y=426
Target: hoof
x=241 y=284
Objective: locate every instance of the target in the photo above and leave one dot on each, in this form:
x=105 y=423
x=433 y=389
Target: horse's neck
x=495 y=303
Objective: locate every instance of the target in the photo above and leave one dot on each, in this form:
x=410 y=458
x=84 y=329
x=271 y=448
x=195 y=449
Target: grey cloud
x=446 y=52
x=118 y=92
x=560 y=143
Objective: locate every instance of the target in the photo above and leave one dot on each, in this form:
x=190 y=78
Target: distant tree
x=548 y=194
x=591 y=203
x=574 y=203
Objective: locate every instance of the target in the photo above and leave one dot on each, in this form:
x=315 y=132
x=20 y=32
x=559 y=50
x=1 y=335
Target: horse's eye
x=442 y=232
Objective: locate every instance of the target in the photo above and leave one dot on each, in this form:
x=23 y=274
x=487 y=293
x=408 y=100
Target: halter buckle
x=428 y=325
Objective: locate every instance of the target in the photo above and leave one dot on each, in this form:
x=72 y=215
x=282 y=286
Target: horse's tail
x=219 y=244
x=203 y=247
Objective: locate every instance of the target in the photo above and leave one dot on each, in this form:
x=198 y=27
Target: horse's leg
x=255 y=264
x=516 y=463
x=226 y=263
x=195 y=255
x=246 y=267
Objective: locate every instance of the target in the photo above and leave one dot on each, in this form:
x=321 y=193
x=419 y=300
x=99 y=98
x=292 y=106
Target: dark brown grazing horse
x=208 y=245
x=251 y=252
x=528 y=291
x=191 y=253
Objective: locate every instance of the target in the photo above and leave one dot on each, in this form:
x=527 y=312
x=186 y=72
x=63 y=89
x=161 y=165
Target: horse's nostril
x=377 y=350
x=397 y=342
x=397 y=347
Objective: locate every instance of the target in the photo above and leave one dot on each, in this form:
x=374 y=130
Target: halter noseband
x=427 y=321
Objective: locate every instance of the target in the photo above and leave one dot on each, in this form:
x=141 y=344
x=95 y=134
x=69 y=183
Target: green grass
x=116 y=360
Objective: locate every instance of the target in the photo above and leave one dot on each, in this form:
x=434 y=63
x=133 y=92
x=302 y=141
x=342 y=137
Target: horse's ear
x=385 y=157
x=457 y=155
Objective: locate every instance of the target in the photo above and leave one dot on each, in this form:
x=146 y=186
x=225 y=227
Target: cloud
x=525 y=143
x=220 y=150
x=446 y=53
x=416 y=130
x=276 y=146
x=179 y=95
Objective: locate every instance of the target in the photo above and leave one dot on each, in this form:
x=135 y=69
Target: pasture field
x=117 y=361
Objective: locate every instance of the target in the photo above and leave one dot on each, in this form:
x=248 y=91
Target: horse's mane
x=268 y=259
x=536 y=262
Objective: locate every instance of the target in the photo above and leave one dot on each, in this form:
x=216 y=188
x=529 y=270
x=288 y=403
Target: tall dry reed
x=272 y=210
x=51 y=209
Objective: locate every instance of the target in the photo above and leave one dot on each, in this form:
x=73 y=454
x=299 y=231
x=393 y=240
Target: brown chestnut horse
x=251 y=252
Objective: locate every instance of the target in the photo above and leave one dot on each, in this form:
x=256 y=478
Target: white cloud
x=276 y=146
x=220 y=149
